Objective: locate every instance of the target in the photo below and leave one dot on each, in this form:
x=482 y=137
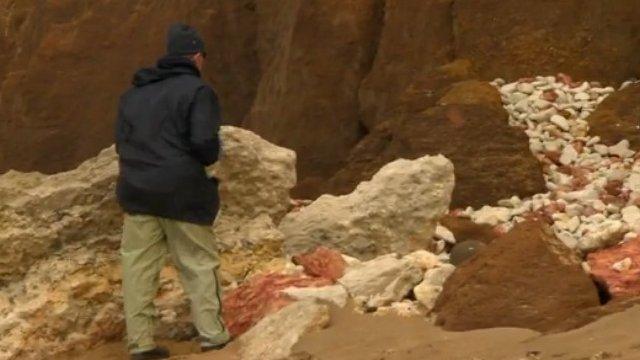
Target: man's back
x=166 y=133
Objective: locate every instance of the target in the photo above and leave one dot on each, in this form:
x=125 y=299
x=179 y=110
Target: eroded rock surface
x=492 y=160
x=525 y=278
x=617 y=118
x=397 y=211
x=60 y=234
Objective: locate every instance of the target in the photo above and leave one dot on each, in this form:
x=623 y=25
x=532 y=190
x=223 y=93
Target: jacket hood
x=167 y=67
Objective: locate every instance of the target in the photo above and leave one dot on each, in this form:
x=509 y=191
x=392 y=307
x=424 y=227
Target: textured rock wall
x=315 y=76
x=66 y=63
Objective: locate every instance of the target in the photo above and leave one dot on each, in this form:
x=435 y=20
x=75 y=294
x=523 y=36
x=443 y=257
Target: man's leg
x=194 y=250
x=143 y=252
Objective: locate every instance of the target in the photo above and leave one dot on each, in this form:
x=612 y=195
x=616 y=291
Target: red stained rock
x=550 y=95
x=322 y=262
x=623 y=282
x=244 y=306
x=614 y=187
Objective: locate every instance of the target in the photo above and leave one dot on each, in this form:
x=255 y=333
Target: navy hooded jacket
x=166 y=133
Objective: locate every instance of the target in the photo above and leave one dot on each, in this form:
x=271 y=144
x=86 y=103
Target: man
x=166 y=133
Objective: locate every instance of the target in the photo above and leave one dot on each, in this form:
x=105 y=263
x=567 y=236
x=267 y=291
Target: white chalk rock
x=622 y=265
x=621 y=149
x=569 y=155
x=561 y=122
x=525 y=88
x=428 y=291
x=491 y=215
x=335 y=294
x=601 y=235
x=397 y=211
x=442 y=233
x=273 y=337
x=633 y=182
x=381 y=281
x=631 y=216
x=423 y=259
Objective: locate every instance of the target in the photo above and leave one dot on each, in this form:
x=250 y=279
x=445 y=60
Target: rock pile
x=397 y=211
x=60 y=234
x=270 y=312
x=593 y=188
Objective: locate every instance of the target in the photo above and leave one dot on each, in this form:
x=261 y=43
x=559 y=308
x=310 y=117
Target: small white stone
x=508 y=88
x=525 y=88
x=561 y=122
x=622 y=265
x=633 y=182
x=491 y=215
x=582 y=96
x=570 y=225
x=630 y=236
x=631 y=216
x=621 y=149
x=445 y=234
x=569 y=155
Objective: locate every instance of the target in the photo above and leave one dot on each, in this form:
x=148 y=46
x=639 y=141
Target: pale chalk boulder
x=428 y=291
x=334 y=294
x=381 y=281
x=396 y=211
x=39 y=213
x=491 y=215
x=273 y=337
x=255 y=175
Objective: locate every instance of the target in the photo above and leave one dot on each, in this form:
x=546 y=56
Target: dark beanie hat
x=182 y=39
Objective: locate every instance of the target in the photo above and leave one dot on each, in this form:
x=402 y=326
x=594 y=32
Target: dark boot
x=154 y=354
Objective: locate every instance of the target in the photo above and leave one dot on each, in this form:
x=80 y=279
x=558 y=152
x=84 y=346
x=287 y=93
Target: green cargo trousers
x=146 y=241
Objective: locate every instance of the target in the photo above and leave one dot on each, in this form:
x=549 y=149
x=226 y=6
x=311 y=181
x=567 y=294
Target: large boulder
x=50 y=123
x=396 y=211
x=40 y=213
x=59 y=238
x=617 y=118
x=526 y=278
x=492 y=160
x=255 y=179
x=307 y=99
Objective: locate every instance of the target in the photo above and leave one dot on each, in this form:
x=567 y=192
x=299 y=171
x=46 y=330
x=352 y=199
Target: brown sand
x=366 y=337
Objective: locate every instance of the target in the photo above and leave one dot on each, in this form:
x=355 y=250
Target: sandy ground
x=366 y=337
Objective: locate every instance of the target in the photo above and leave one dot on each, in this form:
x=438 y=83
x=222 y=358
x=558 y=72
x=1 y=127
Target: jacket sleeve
x=204 y=125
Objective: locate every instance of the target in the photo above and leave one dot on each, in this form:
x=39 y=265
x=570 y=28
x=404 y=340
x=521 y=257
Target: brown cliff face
x=315 y=76
x=307 y=98
x=67 y=62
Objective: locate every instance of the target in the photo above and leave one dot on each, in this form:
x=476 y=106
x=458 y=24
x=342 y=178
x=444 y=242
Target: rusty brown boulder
x=617 y=268
x=492 y=160
x=526 y=278
x=618 y=117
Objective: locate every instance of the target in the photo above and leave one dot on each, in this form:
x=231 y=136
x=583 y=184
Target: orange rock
x=322 y=262
x=610 y=267
x=244 y=306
